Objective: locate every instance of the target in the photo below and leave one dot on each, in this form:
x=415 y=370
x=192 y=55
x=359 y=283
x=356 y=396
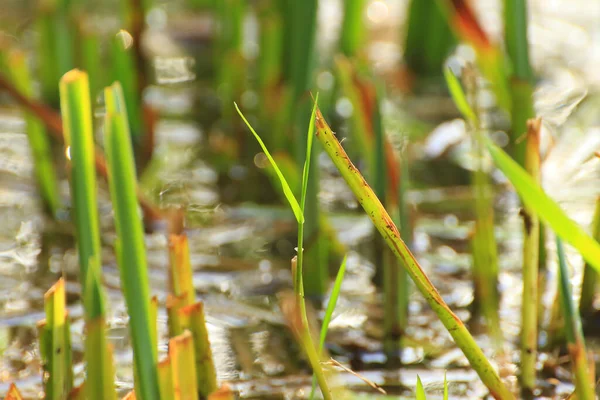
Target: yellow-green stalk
x=531 y=231
x=129 y=247
x=384 y=224
x=183 y=367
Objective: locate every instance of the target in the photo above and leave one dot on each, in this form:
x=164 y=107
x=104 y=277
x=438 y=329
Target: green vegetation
x=268 y=56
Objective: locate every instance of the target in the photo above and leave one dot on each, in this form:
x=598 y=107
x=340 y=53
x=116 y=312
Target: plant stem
x=590 y=275
x=389 y=231
x=575 y=340
x=531 y=236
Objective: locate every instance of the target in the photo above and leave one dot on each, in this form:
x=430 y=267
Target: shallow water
x=239 y=250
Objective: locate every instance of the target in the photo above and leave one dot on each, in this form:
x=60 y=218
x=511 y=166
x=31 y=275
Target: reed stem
x=389 y=231
x=531 y=232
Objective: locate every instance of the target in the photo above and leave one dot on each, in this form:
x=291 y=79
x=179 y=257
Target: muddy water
x=240 y=250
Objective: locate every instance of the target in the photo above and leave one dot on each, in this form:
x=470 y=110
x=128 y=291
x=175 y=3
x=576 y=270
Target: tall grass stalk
x=89 y=56
x=575 y=341
x=531 y=231
x=55 y=46
x=181 y=278
x=395 y=283
x=483 y=243
x=77 y=126
x=428 y=39
x=353 y=28
x=520 y=84
x=131 y=255
x=13 y=62
x=389 y=231
x=589 y=284
x=124 y=72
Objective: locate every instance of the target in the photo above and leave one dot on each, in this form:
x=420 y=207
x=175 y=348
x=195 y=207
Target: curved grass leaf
x=458 y=95
x=534 y=198
x=289 y=195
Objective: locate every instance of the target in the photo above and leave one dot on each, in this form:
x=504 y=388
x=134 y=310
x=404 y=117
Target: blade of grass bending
x=335 y=294
x=590 y=275
x=130 y=248
x=420 y=392
x=389 y=231
x=575 y=340
x=289 y=195
x=549 y=212
x=18 y=71
x=459 y=97
x=78 y=131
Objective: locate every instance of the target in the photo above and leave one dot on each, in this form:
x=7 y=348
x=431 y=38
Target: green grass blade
x=183 y=366
x=309 y=141
x=289 y=195
x=77 y=125
x=389 y=231
x=420 y=392
x=130 y=248
x=335 y=294
x=352 y=36
x=549 y=212
x=575 y=341
x=459 y=97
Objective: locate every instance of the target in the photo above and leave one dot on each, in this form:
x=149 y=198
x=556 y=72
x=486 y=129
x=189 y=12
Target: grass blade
x=389 y=231
x=575 y=341
x=131 y=254
x=352 y=36
x=335 y=293
x=420 y=392
x=549 y=212
x=459 y=97
x=77 y=126
x=289 y=195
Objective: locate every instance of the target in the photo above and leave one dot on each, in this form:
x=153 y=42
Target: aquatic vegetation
x=267 y=56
